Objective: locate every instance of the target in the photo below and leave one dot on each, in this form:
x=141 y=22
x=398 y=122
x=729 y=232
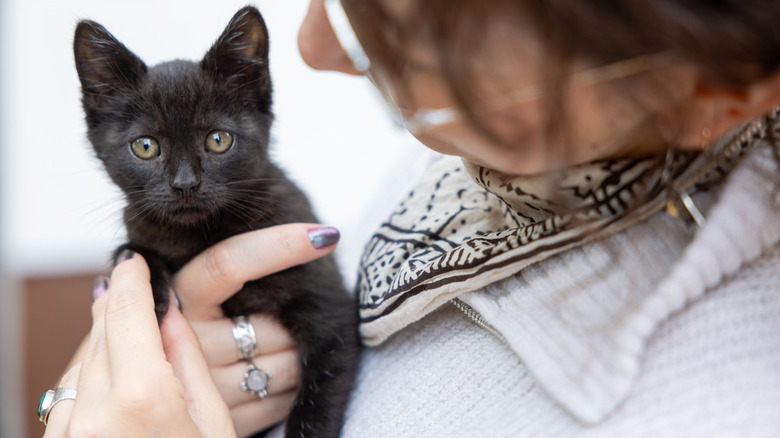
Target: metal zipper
x=478 y=319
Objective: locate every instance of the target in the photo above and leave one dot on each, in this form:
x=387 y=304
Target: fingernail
x=323 y=236
x=99 y=287
x=124 y=256
x=175 y=299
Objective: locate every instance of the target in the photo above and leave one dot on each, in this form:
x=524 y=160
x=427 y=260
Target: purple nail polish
x=124 y=256
x=324 y=236
x=99 y=287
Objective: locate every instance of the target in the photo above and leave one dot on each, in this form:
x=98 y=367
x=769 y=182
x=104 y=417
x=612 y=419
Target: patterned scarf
x=451 y=236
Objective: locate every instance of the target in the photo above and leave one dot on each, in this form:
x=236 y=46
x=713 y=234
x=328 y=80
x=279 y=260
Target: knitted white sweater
x=643 y=334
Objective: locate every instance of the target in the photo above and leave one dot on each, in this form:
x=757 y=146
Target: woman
x=604 y=260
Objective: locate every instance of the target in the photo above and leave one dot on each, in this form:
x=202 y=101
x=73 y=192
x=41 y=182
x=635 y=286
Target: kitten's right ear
x=103 y=63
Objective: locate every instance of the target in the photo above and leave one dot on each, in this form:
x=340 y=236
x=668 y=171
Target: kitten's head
x=183 y=140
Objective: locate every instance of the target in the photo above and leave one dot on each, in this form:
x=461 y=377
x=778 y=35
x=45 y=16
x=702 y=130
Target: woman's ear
x=711 y=111
x=318 y=45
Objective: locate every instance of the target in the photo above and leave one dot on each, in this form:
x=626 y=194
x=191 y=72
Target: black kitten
x=188 y=144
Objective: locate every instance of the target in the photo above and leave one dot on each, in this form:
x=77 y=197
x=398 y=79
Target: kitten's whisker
x=253 y=180
x=249 y=215
x=245 y=217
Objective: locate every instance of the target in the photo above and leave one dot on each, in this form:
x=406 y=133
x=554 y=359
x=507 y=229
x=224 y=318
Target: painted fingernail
x=324 y=236
x=124 y=256
x=99 y=287
x=175 y=299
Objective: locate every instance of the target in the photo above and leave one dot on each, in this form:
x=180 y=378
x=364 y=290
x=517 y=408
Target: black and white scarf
x=450 y=236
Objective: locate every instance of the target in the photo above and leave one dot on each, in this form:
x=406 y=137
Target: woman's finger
x=258 y=415
x=217 y=273
x=219 y=345
x=206 y=407
x=131 y=323
x=61 y=412
x=90 y=377
x=99 y=288
x=285 y=376
x=94 y=376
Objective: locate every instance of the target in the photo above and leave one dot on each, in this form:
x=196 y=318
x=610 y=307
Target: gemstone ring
x=256 y=380
x=51 y=398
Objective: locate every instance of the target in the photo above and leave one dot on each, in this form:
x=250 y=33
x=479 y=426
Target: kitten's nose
x=186 y=190
x=185 y=183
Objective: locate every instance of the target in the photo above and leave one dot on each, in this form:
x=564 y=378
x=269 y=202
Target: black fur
x=187 y=198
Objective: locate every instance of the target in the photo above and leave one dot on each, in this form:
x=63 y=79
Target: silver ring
x=244 y=334
x=51 y=398
x=256 y=380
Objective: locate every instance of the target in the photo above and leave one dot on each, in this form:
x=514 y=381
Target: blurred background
x=60 y=217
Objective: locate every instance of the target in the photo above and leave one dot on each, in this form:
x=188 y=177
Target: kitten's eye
x=145 y=148
x=219 y=142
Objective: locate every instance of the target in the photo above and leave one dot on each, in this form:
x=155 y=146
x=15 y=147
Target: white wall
x=61 y=214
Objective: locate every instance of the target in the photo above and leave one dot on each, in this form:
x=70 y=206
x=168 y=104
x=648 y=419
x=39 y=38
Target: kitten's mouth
x=188 y=213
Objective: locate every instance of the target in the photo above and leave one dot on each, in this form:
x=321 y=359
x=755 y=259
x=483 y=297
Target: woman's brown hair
x=733 y=42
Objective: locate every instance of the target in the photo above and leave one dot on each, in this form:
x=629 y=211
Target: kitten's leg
x=160 y=276
x=327 y=379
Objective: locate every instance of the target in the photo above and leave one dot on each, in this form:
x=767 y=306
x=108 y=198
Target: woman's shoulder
x=446 y=376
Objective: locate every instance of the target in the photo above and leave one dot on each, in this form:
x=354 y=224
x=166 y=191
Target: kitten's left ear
x=240 y=55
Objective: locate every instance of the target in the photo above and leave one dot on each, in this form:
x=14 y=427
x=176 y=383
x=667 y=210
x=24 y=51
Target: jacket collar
x=580 y=321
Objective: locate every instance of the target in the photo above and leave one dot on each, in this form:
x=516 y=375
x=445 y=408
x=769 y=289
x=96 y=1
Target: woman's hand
x=201 y=285
x=137 y=379
x=214 y=276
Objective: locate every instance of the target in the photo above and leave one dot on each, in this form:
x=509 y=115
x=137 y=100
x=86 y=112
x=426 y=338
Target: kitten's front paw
x=160 y=276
